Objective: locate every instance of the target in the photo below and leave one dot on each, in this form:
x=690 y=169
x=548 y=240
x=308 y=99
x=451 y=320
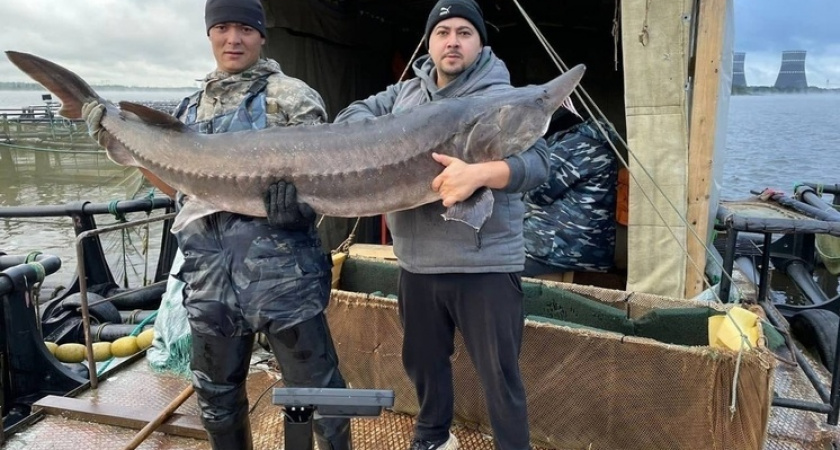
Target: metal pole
x=80 y=257
x=764 y=274
x=834 y=414
x=728 y=264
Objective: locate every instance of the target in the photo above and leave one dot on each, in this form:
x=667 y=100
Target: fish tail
x=69 y=87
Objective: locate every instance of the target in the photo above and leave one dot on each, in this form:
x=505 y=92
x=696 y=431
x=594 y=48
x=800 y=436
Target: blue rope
x=112 y=208
x=31 y=257
x=40 y=272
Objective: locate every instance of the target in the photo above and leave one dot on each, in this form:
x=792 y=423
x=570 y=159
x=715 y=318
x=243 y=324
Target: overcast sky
x=163 y=42
x=765 y=28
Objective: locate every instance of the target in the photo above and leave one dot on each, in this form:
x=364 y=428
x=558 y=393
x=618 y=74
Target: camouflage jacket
x=288 y=101
x=570 y=219
x=243 y=274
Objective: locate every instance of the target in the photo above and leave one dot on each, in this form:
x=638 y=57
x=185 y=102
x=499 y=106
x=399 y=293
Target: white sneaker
x=449 y=444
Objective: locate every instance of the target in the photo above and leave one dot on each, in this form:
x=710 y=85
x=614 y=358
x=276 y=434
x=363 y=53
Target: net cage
x=603 y=369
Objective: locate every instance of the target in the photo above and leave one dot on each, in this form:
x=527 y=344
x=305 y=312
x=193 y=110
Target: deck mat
x=137 y=385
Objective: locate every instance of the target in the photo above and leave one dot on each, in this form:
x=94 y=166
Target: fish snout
x=560 y=88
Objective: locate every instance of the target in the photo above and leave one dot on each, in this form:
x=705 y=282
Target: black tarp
x=350 y=49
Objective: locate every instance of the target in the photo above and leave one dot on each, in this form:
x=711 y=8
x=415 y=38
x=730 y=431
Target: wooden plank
x=373 y=251
x=120 y=415
x=709 y=59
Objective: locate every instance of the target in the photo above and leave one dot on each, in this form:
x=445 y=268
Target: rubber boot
x=219 y=372
x=342 y=440
x=307 y=358
x=237 y=439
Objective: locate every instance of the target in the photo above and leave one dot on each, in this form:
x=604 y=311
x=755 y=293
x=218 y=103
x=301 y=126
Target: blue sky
x=765 y=28
x=162 y=42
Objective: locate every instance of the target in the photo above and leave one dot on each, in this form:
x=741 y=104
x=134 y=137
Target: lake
x=19 y=99
x=780 y=140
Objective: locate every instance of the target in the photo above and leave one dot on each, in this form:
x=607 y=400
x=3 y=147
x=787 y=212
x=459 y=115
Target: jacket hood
x=487 y=71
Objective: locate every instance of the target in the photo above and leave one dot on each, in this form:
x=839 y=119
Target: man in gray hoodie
x=452 y=276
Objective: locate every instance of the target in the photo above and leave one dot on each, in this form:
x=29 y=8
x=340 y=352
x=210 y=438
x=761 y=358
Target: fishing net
x=170 y=350
x=602 y=368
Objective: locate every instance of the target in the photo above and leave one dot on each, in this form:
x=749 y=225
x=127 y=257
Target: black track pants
x=487 y=309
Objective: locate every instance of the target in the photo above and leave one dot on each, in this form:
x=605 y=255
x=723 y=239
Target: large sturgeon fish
x=363 y=168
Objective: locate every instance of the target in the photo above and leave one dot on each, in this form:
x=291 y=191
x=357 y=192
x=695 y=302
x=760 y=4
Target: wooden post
x=711 y=31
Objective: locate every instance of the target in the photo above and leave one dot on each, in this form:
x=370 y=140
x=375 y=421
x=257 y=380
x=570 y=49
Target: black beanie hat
x=467 y=9
x=249 y=12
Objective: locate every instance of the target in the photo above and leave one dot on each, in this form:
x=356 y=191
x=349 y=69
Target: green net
x=170 y=349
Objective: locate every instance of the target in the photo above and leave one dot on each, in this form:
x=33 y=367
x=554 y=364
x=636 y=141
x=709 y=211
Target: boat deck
x=134 y=385
x=137 y=385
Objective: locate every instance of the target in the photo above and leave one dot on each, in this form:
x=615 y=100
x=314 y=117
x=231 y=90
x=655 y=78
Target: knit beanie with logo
x=466 y=9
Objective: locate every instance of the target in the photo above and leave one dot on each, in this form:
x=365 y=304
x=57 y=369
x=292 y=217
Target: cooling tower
x=792 y=72
x=738 y=78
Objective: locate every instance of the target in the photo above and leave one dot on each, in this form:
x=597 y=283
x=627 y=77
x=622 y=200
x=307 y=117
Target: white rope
x=599 y=113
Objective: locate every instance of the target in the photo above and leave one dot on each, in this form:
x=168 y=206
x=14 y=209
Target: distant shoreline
x=20 y=86
x=762 y=90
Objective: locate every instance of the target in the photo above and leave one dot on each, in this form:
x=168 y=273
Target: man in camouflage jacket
x=244 y=275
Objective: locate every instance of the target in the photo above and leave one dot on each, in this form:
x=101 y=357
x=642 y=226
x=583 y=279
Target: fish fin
x=69 y=87
x=473 y=211
x=117 y=151
x=193 y=209
x=151 y=116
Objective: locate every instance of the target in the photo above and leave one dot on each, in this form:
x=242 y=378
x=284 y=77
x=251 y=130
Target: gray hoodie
x=423 y=241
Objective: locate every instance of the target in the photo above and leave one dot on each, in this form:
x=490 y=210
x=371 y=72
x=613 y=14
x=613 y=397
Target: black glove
x=283 y=209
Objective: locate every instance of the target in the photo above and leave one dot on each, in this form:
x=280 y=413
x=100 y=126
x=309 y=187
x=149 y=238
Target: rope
x=112 y=209
x=351 y=238
x=643 y=37
x=732 y=408
x=149 y=196
x=413 y=56
x=586 y=100
x=50 y=150
x=616 y=28
x=120 y=217
x=31 y=256
x=34 y=292
x=40 y=272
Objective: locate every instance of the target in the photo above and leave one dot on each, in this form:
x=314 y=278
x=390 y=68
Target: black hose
x=809 y=196
x=147 y=297
x=801 y=276
x=136 y=316
x=111 y=332
x=19 y=275
x=85 y=208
